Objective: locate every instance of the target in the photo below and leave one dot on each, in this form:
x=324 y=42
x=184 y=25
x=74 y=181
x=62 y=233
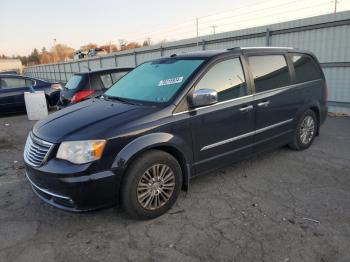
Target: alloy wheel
x=307 y=130
x=156 y=186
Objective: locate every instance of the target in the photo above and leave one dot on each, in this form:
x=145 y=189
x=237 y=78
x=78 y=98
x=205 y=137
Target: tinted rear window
x=269 y=72
x=305 y=68
x=74 y=82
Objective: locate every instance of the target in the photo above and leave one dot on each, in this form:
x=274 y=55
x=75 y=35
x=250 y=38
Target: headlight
x=81 y=152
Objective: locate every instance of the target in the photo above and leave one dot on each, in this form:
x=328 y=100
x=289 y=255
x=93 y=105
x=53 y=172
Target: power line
x=180 y=31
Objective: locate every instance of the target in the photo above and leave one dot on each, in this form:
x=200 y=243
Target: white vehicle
x=8 y=64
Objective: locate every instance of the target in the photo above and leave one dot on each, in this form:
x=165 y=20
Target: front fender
x=155 y=140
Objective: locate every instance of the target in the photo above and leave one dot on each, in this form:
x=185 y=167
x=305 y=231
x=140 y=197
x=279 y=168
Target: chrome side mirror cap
x=203 y=97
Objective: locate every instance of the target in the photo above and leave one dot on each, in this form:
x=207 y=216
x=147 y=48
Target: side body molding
x=154 y=140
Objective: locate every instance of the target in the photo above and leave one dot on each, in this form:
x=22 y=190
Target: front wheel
x=152 y=184
x=305 y=131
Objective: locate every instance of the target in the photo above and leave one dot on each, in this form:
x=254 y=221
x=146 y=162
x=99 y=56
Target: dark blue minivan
x=171 y=119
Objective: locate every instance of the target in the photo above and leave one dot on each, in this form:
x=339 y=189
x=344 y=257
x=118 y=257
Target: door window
x=269 y=72
x=226 y=78
x=305 y=68
x=10 y=82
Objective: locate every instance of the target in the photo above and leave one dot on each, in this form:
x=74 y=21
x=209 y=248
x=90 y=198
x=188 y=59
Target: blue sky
x=35 y=23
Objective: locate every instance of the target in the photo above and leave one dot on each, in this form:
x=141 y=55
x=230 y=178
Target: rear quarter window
x=12 y=82
x=306 y=69
x=269 y=72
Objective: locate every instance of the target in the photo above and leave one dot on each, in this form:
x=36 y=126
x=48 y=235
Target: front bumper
x=76 y=191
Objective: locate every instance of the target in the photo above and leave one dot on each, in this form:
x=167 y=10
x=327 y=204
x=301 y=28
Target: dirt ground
x=279 y=206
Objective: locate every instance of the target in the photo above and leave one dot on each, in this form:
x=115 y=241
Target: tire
x=138 y=185
x=305 y=131
x=48 y=104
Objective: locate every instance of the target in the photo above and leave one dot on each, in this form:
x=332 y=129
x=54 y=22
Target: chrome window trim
x=46 y=191
x=245 y=135
x=272 y=92
x=219 y=103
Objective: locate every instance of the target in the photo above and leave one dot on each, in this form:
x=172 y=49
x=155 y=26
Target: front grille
x=36 y=150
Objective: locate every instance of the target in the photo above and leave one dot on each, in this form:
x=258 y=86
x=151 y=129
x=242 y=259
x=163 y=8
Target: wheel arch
x=157 y=141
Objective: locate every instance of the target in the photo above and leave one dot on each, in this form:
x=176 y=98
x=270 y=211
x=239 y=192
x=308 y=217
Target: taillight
x=56 y=86
x=81 y=95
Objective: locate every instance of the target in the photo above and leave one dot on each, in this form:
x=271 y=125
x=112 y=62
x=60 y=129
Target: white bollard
x=35 y=105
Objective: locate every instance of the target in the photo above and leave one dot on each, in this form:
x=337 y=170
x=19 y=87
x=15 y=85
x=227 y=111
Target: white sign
x=35 y=105
x=171 y=81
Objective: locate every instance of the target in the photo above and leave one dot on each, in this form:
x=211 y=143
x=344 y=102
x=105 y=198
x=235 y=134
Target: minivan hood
x=91 y=119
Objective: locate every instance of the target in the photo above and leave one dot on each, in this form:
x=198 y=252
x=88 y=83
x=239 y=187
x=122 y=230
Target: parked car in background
x=85 y=85
x=172 y=119
x=12 y=88
x=10 y=64
x=79 y=55
x=96 y=52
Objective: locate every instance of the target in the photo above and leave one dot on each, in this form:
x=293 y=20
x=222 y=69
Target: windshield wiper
x=126 y=101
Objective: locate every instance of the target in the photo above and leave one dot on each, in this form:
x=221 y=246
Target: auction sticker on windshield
x=171 y=81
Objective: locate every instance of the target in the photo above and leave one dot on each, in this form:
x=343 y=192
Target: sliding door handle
x=264 y=104
x=246 y=108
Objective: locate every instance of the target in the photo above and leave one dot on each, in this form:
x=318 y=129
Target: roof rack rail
x=233 y=48
x=266 y=47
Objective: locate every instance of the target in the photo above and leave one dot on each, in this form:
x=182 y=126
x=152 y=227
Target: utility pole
x=55 y=49
x=197 y=30
x=214 y=27
x=335 y=5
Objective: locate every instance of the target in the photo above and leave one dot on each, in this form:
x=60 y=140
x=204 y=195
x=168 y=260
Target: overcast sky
x=26 y=24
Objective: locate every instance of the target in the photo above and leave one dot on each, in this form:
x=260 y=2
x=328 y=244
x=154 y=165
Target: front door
x=223 y=132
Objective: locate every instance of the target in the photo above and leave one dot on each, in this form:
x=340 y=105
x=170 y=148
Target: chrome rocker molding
x=245 y=135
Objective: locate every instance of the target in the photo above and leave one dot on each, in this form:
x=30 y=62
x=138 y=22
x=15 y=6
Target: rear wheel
x=305 y=132
x=152 y=185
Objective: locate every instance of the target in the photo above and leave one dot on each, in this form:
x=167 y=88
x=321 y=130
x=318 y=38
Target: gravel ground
x=279 y=206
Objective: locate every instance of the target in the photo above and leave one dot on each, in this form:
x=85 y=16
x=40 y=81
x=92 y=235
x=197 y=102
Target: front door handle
x=246 y=108
x=264 y=104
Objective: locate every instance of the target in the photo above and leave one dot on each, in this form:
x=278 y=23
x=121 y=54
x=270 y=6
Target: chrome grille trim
x=36 y=151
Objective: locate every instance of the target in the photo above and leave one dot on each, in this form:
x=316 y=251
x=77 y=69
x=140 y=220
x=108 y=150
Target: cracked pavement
x=277 y=206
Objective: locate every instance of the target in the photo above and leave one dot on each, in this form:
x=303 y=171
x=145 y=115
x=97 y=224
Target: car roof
x=106 y=70
x=238 y=50
x=27 y=77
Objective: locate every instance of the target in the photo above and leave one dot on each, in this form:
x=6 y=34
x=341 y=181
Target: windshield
x=73 y=82
x=155 y=81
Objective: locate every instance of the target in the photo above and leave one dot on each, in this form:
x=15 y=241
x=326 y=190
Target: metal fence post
x=115 y=61
x=65 y=72
x=268 y=35
x=161 y=50
x=203 y=45
x=54 y=72
x=135 y=58
x=101 y=62
x=59 y=72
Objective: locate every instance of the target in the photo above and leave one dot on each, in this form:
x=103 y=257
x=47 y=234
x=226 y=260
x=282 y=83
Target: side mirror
x=203 y=97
